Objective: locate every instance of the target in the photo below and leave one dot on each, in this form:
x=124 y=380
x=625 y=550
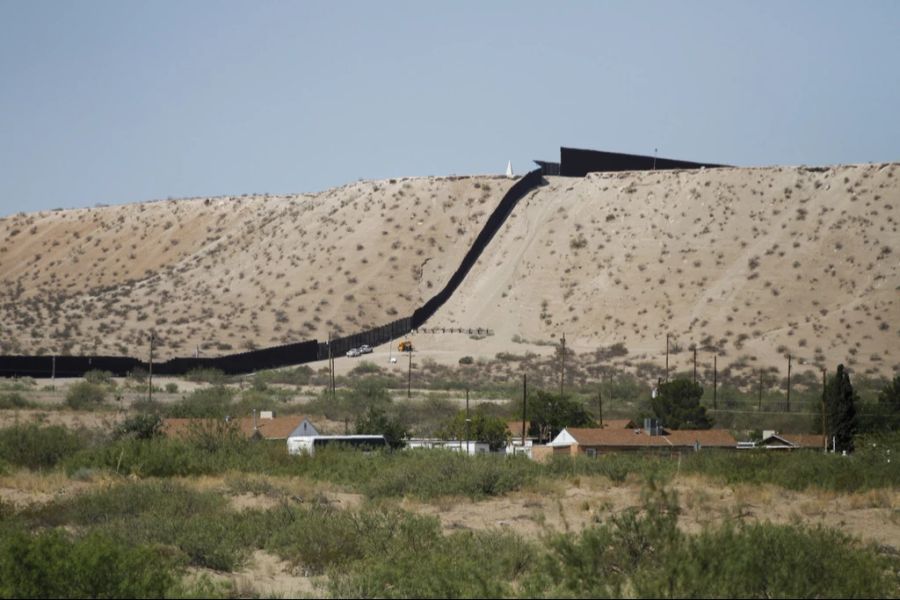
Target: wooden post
x=759 y=406
x=667 y=358
x=715 y=382
x=150 y=377
x=824 y=421
x=600 y=405
x=468 y=422
x=409 y=377
x=331 y=367
x=789 y=385
x=524 y=405
x=695 y=363
x=562 y=372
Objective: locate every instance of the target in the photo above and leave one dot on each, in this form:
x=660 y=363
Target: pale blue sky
x=123 y=101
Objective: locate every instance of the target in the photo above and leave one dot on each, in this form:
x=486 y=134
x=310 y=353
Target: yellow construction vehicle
x=405 y=346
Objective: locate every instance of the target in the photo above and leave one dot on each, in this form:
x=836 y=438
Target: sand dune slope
x=756 y=263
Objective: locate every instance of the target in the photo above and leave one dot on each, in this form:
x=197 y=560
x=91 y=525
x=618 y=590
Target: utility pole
x=524 y=406
x=409 y=376
x=331 y=367
x=600 y=405
x=667 y=358
x=150 y=378
x=468 y=422
x=789 y=385
x=695 y=363
x=824 y=422
x=715 y=382
x=759 y=406
x=562 y=372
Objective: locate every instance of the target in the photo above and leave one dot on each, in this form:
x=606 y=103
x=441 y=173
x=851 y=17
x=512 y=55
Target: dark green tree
x=677 y=405
x=376 y=421
x=840 y=410
x=483 y=428
x=549 y=413
x=890 y=395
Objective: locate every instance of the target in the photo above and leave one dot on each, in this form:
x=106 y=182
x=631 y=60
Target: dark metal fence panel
x=518 y=191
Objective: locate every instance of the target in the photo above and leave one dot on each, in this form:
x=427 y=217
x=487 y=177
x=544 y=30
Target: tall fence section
x=288 y=354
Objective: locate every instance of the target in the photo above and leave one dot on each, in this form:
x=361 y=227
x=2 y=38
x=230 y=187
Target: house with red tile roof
x=593 y=441
x=772 y=440
x=265 y=426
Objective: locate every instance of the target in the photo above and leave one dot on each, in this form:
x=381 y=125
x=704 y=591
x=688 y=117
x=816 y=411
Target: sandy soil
x=563 y=507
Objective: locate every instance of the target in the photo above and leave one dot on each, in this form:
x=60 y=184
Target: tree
x=840 y=410
x=550 y=413
x=483 y=428
x=677 y=405
x=890 y=395
x=376 y=421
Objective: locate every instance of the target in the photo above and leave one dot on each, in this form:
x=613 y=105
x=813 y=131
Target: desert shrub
x=85 y=395
x=737 y=561
x=99 y=377
x=12 y=400
x=37 y=447
x=140 y=426
x=52 y=564
x=642 y=553
x=199 y=524
x=297 y=376
x=206 y=375
x=467 y=360
x=480 y=564
x=171 y=388
x=870 y=468
x=320 y=537
x=615 y=466
x=213 y=402
x=365 y=368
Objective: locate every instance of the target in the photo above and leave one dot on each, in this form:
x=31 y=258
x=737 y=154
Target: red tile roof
x=805 y=440
x=719 y=438
x=276 y=428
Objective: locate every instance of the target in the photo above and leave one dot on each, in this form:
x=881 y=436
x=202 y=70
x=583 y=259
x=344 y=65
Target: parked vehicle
x=353 y=352
x=365 y=349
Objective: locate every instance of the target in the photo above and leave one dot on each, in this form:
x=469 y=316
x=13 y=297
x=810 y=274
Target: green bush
x=99 y=377
x=214 y=402
x=52 y=564
x=643 y=554
x=85 y=395
x=12 y=400
x=199 y=524
x=37 y=447
x=206 y=375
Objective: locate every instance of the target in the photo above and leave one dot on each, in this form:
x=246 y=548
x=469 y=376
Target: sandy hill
x=233 y=273
x=755 y=263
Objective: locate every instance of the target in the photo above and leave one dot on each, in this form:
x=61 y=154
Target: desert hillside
x=752 y=263
x=232 y=273
x=755 y=263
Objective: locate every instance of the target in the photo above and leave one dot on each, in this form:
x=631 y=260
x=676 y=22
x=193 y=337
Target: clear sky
x=124 y=101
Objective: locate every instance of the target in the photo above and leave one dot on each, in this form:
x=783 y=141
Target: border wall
x=278 y=356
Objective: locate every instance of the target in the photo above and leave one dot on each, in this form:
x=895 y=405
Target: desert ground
x=750 y=263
